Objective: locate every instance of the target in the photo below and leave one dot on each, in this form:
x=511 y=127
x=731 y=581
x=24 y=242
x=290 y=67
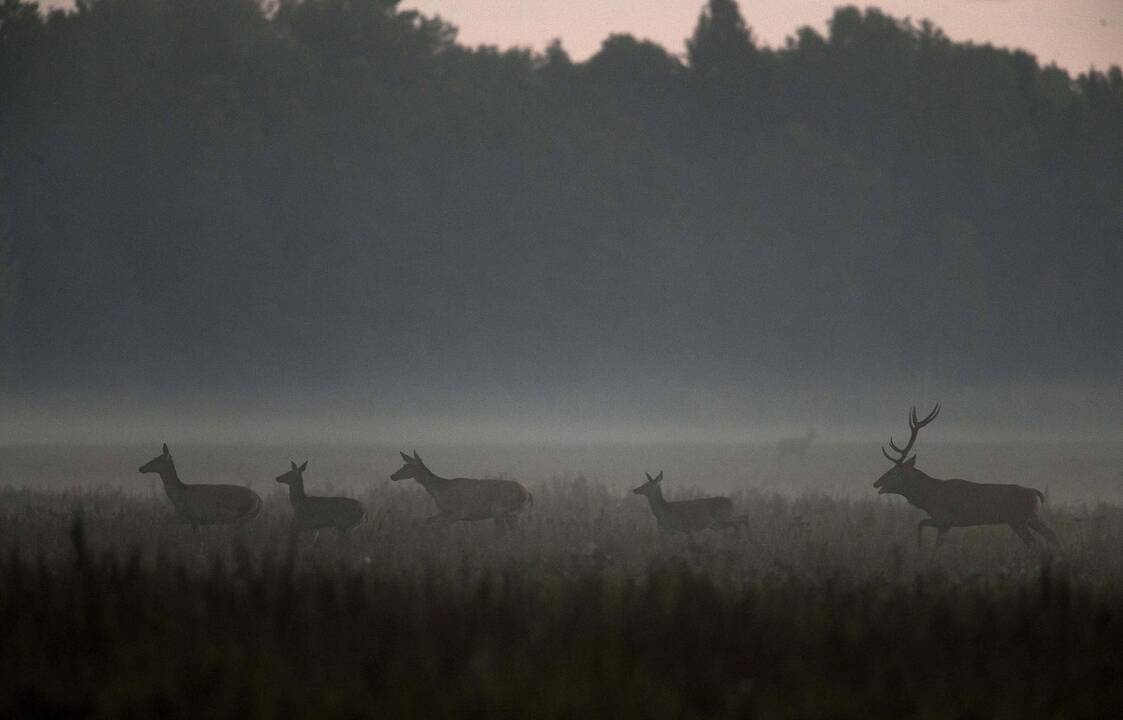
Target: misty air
x=366 y=358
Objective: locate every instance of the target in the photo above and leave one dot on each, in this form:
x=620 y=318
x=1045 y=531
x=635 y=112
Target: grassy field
x=827 y=608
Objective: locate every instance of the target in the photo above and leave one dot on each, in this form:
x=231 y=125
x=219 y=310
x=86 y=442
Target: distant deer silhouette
x=795 y=446
x=960 y=503
x=467 y=498
x=203 y=504
x=689 y=516
x=314 y=513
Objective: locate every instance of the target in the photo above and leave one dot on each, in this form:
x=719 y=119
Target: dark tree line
x=209 y=193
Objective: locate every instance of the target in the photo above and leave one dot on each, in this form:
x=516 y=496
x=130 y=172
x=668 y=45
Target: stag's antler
x=914 y=430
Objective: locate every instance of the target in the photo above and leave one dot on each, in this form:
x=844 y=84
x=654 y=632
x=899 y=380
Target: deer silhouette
x=203 y=504
x=959 y=503
x=314 y=513
x=467 y=498
x=689 y=516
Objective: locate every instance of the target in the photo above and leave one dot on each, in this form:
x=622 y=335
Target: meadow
x=826 y=608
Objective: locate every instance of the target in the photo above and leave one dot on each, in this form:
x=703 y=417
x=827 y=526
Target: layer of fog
x=628 y=413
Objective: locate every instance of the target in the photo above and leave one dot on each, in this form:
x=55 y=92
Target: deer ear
x=405 y=457
x=911 y=462
x=417 y=457
x=166 y=452
x=659 y=477
x=292 y=465
x=648 y=476
x=303 y=466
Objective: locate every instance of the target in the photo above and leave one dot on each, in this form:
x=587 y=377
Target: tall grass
x=826 y=608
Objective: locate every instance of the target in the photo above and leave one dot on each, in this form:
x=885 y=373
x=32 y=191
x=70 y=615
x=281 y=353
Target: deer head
x=294 y=475
x=651 y=486
x=412 y=469
x=898 y=477
x=161 y=464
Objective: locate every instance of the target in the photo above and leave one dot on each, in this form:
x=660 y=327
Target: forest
x=229 y=194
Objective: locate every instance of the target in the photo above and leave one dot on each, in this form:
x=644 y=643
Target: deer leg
x=1023 y=533
x=940 y=532
x=926 y=522
x=1044 y=530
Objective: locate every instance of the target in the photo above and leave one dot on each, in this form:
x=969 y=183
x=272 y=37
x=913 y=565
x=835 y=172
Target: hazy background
x=334 y=222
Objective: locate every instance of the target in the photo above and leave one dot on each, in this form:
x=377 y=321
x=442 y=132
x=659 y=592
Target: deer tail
x=1039 y=494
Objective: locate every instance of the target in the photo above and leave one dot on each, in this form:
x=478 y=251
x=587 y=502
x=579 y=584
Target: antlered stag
x=203 y=504
x=467 y=498
x=689 y=516
x=959 y=503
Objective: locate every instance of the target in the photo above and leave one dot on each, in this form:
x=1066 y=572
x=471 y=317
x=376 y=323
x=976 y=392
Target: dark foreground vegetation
x=826 y=609
x=324 y=193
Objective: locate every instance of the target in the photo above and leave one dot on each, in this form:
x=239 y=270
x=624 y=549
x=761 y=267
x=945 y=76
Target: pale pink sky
x=1074 y=33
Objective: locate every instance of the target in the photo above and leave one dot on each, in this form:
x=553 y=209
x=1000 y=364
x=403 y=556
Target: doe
x=467 y=498
x=315 y=513
x=203 y=504
x=689 y=516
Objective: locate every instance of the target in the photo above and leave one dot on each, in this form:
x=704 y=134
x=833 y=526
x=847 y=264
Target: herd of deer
x=948 y=503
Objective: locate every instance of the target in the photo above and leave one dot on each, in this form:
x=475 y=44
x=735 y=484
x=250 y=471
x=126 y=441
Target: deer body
x=467 y=498
x=688 y=516
x=203 y=504
x=960 y=503
x=315 y=513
